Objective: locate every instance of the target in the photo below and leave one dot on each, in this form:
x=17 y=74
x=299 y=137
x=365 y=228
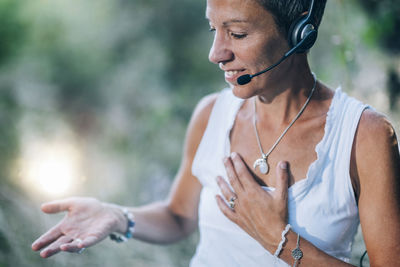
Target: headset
x=302 y=35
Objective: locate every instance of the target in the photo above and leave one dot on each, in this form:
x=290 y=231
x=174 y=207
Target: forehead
x=237 y=11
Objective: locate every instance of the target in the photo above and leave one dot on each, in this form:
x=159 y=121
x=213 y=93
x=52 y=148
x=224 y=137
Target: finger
x=73 y=246
x=232 y=176
x=47 y=238
x=225 y=190
x=57 y=205
x=228 y=212
x=243 y=173
x=89 y=241
x=54 y=248
x=282 y=179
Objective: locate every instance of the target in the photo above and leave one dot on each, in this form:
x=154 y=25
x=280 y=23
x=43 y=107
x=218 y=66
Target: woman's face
x=246 y=41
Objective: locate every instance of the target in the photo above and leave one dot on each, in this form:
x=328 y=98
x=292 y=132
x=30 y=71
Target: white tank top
x=322 y=208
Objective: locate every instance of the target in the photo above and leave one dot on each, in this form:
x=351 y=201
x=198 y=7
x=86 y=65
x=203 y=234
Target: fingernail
x=283 y=165
x=233 y=155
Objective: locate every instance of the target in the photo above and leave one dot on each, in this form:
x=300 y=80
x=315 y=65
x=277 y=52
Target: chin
x=242 y=91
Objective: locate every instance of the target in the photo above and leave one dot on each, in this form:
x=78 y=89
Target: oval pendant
x=262 y=164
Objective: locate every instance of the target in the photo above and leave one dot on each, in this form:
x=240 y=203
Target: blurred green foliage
x=384 y=23
x=12 y=29
x=119 y=80
x=12 y=34
x=9 y=115
x=383 y=30
x=393 y=86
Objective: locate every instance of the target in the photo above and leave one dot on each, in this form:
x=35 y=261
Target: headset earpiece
x=301 y=29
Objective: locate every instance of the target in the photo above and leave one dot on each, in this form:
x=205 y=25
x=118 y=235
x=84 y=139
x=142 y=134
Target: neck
x=287 y=92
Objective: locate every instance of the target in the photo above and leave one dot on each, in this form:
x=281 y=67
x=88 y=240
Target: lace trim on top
x=299 y=188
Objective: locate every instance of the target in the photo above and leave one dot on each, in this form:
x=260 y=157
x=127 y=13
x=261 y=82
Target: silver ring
x=232 y=202
x=81 y=250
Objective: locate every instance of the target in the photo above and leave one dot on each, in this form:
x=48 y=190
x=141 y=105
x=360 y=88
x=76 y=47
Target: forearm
x=312 y=256
x=155 y=223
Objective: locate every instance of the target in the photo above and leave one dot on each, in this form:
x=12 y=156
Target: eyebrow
x=232 y=21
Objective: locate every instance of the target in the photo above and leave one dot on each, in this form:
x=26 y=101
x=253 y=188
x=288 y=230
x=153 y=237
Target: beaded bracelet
x=284 y=232
x=131 y=228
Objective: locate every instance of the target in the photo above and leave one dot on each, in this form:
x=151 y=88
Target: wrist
x=273 y=238
x=276 y=236
x=124 y=224
x=283 y=240
x=120 y=224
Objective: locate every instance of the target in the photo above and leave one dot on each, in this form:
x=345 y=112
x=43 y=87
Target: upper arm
x=377 y=166
x=185 y=193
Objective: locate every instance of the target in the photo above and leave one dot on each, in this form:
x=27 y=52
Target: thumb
x=282 y=179
x=56 y=206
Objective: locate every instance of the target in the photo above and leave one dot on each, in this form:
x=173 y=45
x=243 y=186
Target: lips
x=232 y=75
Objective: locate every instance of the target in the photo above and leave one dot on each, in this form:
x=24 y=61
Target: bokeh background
x=95 y=96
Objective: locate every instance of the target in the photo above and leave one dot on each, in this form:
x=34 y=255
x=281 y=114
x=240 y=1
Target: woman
x=280 y=164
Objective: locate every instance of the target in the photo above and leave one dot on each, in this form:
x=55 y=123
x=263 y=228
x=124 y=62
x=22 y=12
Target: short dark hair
x=285 y=12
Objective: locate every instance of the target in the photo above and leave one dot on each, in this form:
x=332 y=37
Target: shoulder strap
x=213 y=143
x=347 y=121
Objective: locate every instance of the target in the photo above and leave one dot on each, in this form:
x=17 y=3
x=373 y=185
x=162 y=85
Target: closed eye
x=238 y=36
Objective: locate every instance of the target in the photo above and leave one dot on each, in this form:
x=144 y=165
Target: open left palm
x=87 y=222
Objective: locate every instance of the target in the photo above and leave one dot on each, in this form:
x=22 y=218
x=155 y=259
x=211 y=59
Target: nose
x=220 y=51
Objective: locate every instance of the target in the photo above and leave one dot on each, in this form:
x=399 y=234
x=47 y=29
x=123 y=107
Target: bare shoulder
x=377 y=164
x=375 y=150
x=375 y=131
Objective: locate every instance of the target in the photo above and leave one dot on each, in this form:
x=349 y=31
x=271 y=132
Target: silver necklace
x=262 y=162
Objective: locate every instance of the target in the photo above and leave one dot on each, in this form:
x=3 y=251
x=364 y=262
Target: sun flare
x=51 y=169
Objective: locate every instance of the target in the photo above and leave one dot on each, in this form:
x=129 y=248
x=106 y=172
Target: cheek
x=261 y=53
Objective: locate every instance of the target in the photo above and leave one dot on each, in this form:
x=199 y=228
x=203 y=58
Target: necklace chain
x=265 y=155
